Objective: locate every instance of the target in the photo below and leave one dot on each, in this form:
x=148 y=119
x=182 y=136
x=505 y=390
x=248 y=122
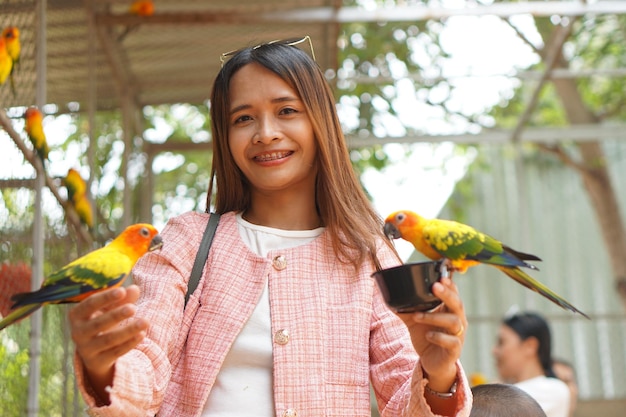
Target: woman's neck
x=287 y=213
x=532 y=370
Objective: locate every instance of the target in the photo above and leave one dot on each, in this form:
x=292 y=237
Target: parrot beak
x=156 y=243
x=391 y=231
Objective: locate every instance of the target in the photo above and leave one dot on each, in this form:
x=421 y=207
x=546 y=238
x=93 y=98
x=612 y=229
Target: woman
x=286 y=320
x=523 y=357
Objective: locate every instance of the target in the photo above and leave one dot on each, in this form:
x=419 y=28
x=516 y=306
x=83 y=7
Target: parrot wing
x=100 y=269
x=75 y=184
x=458 y=241
x=67 y=290
x=83 y=208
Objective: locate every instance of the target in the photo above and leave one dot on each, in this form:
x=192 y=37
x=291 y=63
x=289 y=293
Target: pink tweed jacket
x=332 y=331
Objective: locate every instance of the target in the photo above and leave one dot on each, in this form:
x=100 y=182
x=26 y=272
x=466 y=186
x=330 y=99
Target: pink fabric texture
x=340 y=333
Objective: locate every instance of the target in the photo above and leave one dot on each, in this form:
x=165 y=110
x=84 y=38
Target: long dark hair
x=531 y=324
x=342 y=204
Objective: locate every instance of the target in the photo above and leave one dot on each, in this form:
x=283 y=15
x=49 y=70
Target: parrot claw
x=444 y=271
x=448 y=266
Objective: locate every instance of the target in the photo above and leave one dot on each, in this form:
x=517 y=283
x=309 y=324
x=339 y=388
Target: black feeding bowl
x=406 y=288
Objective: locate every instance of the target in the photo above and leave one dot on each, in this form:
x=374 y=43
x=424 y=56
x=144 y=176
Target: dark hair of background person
x=531 y=324
x=503 y=400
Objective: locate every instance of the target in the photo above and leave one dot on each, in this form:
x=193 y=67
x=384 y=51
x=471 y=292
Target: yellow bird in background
x=83 y=208
x=77 y=196
x=142 y=8
x=11 y=36
x=138 y=8
x=6 y=63
x=75 y=184
x=34 y=129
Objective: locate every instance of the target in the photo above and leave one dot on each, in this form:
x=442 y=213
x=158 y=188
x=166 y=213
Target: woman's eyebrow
x=284 y=99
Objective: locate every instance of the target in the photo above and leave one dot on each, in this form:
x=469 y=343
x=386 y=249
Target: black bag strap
x=202 y=255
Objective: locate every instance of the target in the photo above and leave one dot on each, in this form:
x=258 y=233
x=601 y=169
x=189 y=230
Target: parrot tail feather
x=18 y=314
x=531 y=283
x=522 y=255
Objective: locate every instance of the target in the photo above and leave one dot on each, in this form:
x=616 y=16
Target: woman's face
x=270 y=134
x=511 y=354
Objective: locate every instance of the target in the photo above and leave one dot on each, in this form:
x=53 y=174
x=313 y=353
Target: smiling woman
x=291 y=261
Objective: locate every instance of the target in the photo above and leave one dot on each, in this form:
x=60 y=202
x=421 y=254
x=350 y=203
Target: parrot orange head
x=33 y=114
x=137 y=239
x=401 y=224
x=11 y=35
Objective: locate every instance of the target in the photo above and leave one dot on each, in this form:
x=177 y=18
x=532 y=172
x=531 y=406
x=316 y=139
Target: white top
x=244 y=385
x=552 y=394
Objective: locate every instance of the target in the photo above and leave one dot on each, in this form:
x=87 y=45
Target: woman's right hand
x=98 y=336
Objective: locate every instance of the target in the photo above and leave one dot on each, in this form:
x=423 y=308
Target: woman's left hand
x=438 y=335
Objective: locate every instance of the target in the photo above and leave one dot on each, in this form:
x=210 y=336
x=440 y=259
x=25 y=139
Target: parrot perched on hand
x=464 y=247
x=98 y=270
x=11 y=36
x=6 y=63
x=34 y=129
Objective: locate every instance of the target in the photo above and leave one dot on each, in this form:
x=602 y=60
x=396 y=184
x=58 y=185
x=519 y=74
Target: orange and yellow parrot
x=142 y=8
x=139 y=8
x=77 y=196
x=11 y=36
x=464 y=247
x=6 y=63
x=84 y=209
x=34 y=129
x=100 y=269
x=75 y=184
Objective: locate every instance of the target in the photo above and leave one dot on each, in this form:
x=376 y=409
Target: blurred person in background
x=524 y=358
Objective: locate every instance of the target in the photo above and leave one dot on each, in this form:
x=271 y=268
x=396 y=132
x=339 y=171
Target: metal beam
x=547 y=135
x=357 y=14
x=556 y=73
x=36 y=319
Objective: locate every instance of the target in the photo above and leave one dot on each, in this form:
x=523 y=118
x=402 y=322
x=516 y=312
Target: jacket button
x=279 y=262
x=281 y=337
x=290 y=412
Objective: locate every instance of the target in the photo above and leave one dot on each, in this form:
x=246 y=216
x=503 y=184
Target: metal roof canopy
x=173 y=55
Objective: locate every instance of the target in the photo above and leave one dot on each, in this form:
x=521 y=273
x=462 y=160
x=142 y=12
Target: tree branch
x=523 y=37
x=564 y=157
